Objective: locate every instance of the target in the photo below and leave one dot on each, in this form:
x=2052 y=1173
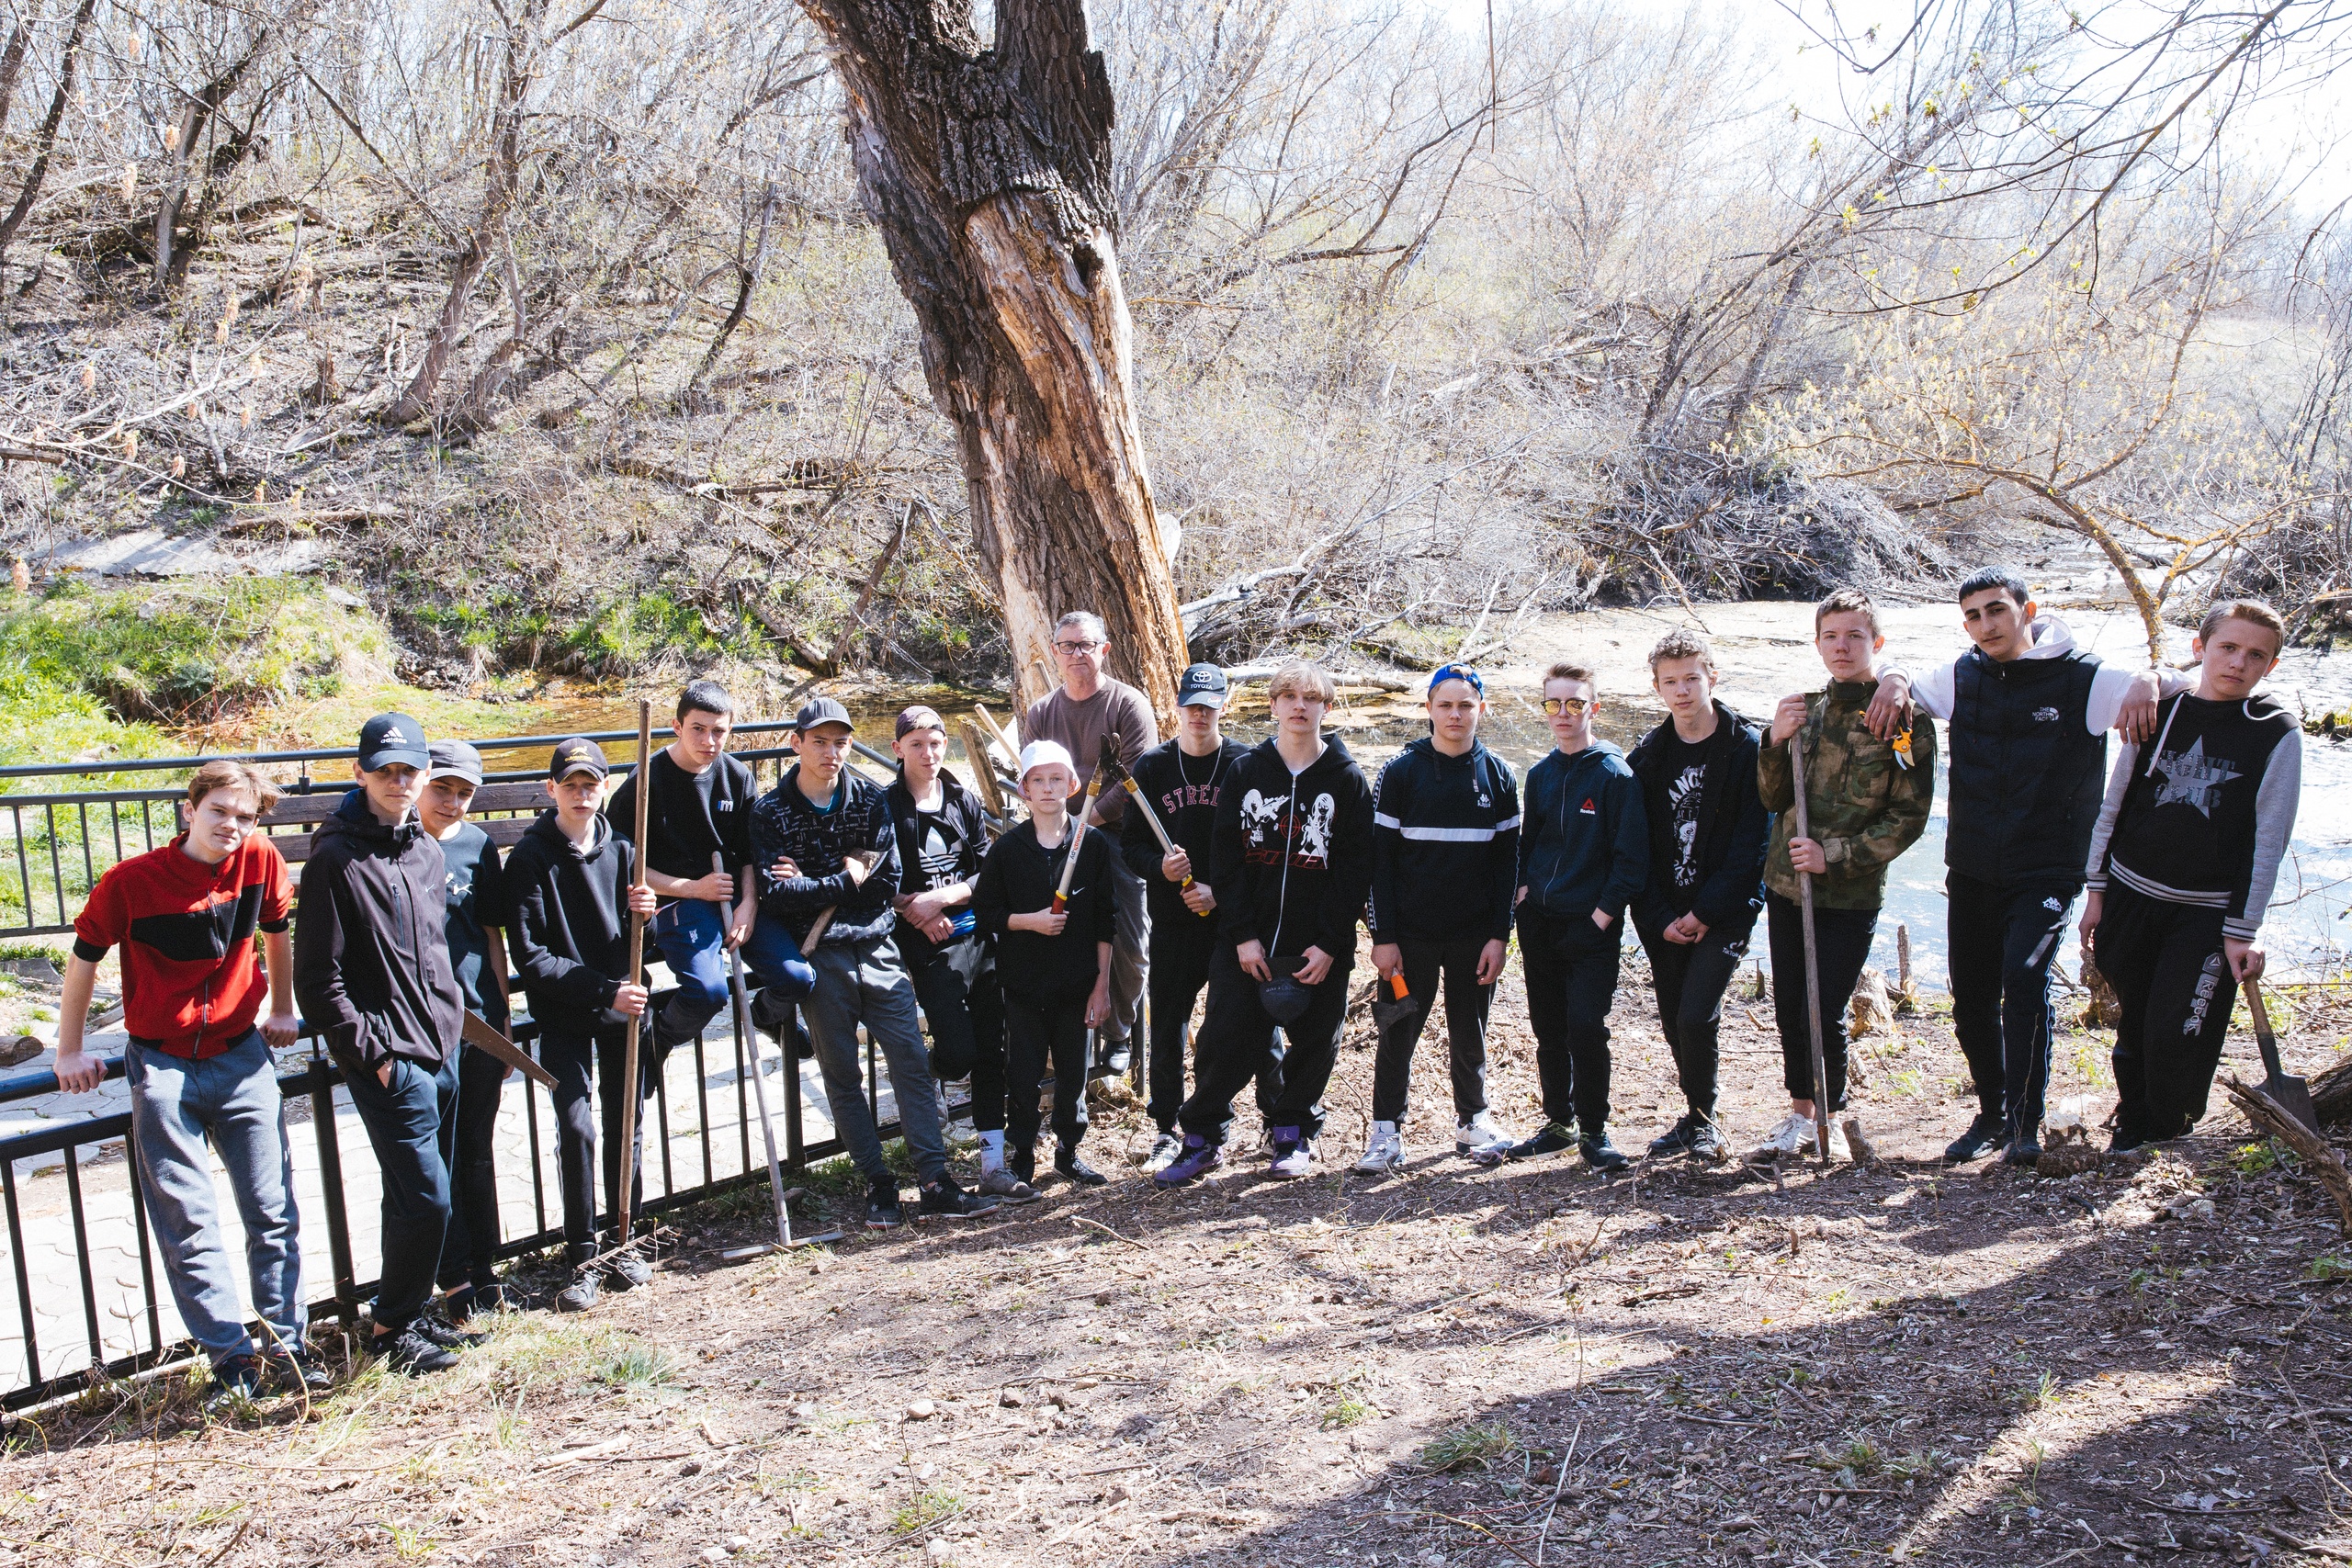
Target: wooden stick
x=1811 y=960
x=625 y=1153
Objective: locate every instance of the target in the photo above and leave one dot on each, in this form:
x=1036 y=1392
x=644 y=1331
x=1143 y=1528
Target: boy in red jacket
x=185 y=917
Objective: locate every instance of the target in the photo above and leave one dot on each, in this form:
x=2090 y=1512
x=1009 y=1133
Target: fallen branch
x=2318 y=1156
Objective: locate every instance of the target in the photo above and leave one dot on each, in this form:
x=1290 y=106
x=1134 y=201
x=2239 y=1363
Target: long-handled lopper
x=1120 y=778
x=750 y=1038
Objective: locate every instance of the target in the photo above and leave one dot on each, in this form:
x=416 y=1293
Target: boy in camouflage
x=1866 y=802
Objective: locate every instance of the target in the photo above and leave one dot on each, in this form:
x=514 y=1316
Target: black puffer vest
x=2026 y=772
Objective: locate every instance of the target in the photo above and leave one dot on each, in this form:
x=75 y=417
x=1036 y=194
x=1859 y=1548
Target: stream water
x=1764 y=652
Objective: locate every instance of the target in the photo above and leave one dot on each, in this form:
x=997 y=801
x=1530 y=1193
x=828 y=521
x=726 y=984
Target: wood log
x=988 y=171
x=2332 y=1093
x=2318 y=1156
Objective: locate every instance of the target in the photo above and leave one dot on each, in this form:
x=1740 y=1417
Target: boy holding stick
x=2183 y=860
x=570 y=881
x=1179 y=785
x=1866 y=802
x=1044 y=893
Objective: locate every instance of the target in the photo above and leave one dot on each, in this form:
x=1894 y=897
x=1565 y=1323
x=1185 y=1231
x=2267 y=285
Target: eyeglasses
x=1076 y=646
x=1569 y=706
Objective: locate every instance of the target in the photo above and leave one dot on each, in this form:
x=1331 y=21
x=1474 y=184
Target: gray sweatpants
x=864 y=982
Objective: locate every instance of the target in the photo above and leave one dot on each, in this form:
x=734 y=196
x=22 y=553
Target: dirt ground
x=2143 y=1363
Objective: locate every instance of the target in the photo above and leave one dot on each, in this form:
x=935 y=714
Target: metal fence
x=65 y=1258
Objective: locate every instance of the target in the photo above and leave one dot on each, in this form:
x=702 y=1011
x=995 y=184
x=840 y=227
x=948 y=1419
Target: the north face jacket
x=371 y=942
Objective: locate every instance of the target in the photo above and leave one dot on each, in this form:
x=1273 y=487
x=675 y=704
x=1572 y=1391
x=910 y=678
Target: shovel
x=2293 y=1095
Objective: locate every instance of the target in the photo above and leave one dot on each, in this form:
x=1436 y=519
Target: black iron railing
x=60 y=1348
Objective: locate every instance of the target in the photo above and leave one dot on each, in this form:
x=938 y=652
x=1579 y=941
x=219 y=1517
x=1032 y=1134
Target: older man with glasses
x=1088 y=707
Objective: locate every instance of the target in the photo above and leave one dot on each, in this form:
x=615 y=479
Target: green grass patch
x=924 y=1509
x=1477 y=1446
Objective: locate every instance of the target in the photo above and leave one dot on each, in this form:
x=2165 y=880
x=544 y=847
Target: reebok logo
x=1587 y=808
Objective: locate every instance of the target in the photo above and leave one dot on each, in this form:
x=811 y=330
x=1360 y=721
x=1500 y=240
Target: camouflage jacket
x=1865 y=808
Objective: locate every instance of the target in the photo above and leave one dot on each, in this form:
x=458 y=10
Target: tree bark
x=988 y=175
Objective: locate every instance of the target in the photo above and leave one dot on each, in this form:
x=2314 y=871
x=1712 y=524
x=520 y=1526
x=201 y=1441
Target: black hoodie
x=1293 y=853
x=571 y=926
x=1020 y=878
x=1732 y=826
x=371 y=943
x=937 y=848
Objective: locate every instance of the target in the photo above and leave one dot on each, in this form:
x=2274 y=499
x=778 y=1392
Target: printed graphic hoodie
x=2203 y=815
x=1293 y=853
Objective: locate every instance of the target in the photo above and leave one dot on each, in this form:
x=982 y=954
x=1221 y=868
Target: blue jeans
x=233 y=1099
x=413 y=1125
x=692 y=935
x=865 y=983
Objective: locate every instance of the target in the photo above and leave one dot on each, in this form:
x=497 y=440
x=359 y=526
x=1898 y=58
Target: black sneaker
x=233 y=1378
x=627 y=1272
x=296 y=1371
x=2127 y=1138
x=882 y=1209
x=1022 y=1163
x=448 y=1336
x=2025 y=1152
x=496 y=1296
x=1707 y=1142
x=1601 y=1154
x=1065 y=1160
x=944 y=1200
x=1677 y=1139
x=1554 y=1139
x=1985 y=1133
x=581 y=1293
x=411 y=1352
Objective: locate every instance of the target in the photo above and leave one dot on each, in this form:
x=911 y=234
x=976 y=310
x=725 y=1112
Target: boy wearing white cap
x=1053 y=917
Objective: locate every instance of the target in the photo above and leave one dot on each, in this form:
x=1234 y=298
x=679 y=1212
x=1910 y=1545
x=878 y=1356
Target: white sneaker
x=1794 y=1139
x=1386 y=1152
x=1481 y=1138
x=1164 y=1151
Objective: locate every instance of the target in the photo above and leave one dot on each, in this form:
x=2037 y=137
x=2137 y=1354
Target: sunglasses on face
x=1569 y=706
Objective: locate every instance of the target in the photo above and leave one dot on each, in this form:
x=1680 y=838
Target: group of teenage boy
x=1241 y=871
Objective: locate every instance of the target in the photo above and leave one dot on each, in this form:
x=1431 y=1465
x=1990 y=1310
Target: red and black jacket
x=192 y=984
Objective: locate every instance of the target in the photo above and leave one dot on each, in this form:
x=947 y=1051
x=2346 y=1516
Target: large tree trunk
x=988 y=174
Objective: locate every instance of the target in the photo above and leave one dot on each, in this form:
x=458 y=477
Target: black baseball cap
x=455 y=760
x=391 y=738
x=918 y=718
x=1204 y=686
x=576 y=755
x=821 y=710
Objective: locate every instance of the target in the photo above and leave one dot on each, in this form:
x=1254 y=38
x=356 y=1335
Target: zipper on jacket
x=1290 y=833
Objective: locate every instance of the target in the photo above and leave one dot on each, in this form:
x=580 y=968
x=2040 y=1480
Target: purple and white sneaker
x=1197 y=1160
x=1293 y=1154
